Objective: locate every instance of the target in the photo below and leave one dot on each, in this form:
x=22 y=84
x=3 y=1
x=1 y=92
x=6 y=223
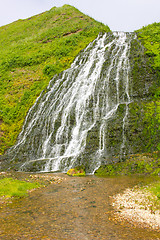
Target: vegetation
x=35 y=49
x=152 y=192
x=144 y=114
x=150 y=37
x=32 y=51
x=139 y=164
x=78 y=172
x=10 y=187
x=155 y=189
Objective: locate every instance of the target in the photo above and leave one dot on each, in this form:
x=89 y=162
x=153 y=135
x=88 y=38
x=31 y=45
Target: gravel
x=137 y=206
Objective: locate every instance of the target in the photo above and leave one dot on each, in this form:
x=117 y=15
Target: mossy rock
x=140 y=164
x=76 y=172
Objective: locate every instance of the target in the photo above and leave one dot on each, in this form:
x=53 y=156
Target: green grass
x=150 y=37
x=32 y=51
x=154 y=195
x=10 y=187
x=155 y=189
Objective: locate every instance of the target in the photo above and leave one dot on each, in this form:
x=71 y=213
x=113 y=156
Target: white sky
x=119 y=15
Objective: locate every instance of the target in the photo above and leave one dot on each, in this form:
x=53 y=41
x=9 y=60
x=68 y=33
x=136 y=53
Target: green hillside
x=150 y=38
x=32 y=51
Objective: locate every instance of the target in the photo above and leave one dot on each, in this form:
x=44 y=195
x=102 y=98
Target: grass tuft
x=10 y=187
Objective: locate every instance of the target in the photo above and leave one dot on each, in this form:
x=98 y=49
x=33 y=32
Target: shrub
x=79 y=172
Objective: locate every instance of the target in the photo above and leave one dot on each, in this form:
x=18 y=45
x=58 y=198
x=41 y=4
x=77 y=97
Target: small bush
x=76 y=172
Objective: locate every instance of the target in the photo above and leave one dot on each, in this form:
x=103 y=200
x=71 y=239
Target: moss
x=141 y=164
x=150 y=38
x=78 y=172
x=144 y=112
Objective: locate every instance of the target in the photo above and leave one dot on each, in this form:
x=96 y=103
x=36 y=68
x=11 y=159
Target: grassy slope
x=150 y=37
x=32 y=51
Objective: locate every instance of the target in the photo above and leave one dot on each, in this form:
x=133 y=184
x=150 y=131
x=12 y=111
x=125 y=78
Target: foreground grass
x=10 y=187
x=17 y=185
x=152 y=193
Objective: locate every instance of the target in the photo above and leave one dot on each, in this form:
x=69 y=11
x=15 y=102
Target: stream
x=77 y=208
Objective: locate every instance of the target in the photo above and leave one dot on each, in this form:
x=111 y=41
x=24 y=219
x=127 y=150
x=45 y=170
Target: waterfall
x=68 y=124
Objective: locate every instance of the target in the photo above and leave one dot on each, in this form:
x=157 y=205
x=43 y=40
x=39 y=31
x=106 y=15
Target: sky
x=119 y=15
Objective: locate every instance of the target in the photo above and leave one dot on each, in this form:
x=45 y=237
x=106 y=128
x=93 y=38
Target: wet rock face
x=143 y=78
x=143 y=111
x=100 y=110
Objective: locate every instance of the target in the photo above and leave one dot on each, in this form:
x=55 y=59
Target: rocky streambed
x=73 y=208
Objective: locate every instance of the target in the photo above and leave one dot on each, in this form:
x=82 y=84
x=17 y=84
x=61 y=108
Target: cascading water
x=68 y=124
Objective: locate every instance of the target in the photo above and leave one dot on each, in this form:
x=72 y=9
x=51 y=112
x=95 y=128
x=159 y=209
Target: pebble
x=136 y=206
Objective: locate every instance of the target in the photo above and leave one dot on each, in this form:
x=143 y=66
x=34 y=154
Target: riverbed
x=76 y=208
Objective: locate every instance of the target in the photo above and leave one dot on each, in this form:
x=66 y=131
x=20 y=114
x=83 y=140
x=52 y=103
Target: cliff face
x=143 y=127
x=147 y=68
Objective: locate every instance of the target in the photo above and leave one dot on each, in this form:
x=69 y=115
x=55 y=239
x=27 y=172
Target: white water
x=84 y=97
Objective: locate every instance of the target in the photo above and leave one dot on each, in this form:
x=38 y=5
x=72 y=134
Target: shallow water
x=77 y=208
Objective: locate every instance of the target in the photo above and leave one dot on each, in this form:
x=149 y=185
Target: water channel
x=77 y=208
